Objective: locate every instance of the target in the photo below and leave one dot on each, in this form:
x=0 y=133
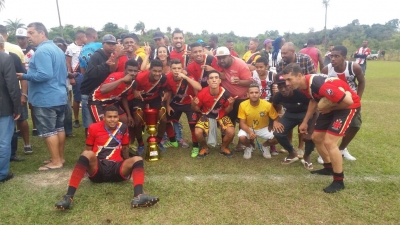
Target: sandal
x=287 y=161
x=49 y=161
x=307 y=166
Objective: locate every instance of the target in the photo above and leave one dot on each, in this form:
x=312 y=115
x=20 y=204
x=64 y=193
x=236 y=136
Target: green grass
x=217 y=190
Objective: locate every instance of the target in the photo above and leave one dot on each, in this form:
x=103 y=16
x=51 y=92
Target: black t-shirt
x=298 y=103
x=19 y=67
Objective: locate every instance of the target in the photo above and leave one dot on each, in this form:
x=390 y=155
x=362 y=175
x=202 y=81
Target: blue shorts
x=24 y=113
x=86 y=116
x=76 y=89
x=49 y=120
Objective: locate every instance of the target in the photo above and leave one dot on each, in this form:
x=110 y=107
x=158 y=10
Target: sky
x=216 y=16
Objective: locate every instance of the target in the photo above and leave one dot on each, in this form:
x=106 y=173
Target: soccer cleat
x=346 y=155
x=335 y=186
x=65 y=203
x=226 y=152
x=203 y=152
x=183 y=144
x=247 y=153
x=320 y=160
x=266 y=152
x=76 y=124
x=28 y=150
x=140 y=149
x=144 y=201
x=195 y=152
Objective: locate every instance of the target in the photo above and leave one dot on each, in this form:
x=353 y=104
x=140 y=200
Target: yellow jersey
x=257 y=117
x=251 y=58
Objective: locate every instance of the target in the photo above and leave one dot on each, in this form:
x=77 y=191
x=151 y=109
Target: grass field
x=217 y=190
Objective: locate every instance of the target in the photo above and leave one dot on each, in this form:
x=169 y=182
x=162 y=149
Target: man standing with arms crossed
x=332 y=122
x=361 y=56
x=47 y=92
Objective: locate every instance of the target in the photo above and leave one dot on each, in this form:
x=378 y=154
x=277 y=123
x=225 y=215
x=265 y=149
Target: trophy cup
x=152 y=151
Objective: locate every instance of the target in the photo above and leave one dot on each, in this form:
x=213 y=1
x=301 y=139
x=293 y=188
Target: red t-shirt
x=106 y=145
x=329 y=88
x=213 y=106
x=179 y=55
x=238 y=69
x=122 y=60
x=151 y=90
x=180 y=90
x=233 y=53
x=195 y=70
x=113 y=96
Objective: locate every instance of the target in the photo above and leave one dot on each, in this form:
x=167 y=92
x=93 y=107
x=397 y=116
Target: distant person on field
x=361 y=56
x=230 y=45
x=327 y=57
x=314 y=53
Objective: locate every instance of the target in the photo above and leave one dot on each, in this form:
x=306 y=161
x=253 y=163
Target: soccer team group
x=267 y=92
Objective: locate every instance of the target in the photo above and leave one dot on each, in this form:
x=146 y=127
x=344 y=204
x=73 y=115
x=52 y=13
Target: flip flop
x=46 y=168
x=307 y=166
x=287 y=161
x=49 y=161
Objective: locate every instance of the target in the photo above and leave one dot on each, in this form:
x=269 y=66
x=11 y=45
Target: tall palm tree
x=2 y=4
x=325 y=3
x=12 y=26
x=140 y=27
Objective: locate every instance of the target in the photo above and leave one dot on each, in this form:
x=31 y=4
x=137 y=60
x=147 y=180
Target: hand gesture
x=147 y=49
x=232 y=100
x=182 y=75
x=110 y=61
x=119 y=50
x=275 y=88
x=127 y=79
x=138 y=94
x=195 y=100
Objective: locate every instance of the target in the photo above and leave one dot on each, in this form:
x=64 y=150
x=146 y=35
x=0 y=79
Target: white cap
x=21 y=32
x=222 y=51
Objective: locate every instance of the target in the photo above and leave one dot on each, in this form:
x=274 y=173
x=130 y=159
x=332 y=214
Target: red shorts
x=335 y=122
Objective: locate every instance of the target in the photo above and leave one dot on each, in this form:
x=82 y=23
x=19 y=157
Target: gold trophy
x=152 y=151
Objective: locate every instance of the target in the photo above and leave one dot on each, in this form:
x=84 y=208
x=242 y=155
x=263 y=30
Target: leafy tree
x=2 y=4
x=140 y=27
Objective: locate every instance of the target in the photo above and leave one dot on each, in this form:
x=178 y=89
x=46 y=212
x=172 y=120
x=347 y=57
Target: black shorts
x=335 y=122
x=97 y=110
x=233 y=115
x=178 y=110
x=135 y=104
x=108 y=171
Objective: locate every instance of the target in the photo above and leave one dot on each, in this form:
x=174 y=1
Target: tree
x=2 y=4
x=12 y=26
x=140 y=27
x=169 y=30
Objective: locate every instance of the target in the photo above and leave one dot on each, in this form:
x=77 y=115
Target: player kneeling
x=254 y=116
x=106 y=159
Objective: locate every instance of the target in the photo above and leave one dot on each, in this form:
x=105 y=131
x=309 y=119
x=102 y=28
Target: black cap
x=279 y=79
x=158 y=35
x=59 y=40
x=108 y=38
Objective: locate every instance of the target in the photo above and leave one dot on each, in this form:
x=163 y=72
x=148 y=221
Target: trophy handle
x=165 y=111
x=140 y=109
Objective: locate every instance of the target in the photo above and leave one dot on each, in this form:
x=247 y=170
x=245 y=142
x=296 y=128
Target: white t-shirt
x=73 y=51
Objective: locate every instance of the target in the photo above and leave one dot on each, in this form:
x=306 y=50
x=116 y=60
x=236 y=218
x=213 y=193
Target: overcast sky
x=245 y=18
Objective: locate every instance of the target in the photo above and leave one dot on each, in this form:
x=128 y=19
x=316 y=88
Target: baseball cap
x=108 y=38
x=267 y=41
x=222 y=51
x=59 y=40
x=279 y=79
x=158 y=35
x=21 y=32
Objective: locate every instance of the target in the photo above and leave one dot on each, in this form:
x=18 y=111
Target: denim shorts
x=76 y=89
x=24 y=113
x=86 y=116
x=49 y=120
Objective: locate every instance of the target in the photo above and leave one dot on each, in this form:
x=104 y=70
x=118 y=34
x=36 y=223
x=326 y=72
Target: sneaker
x=273 y=150
x=161 y=147
x=140 y=149
x=183 y=144
x=65 y=203
x=320 y=160
x=28 y=150
x=247 y=153
x=266 y=152
x=35 y=132
x=195 y=152
x=203 y=152
x=346 y=155
x=170 y=144
x=226 y=152
x=76 y=124
x=144 y=201
x=300 y=153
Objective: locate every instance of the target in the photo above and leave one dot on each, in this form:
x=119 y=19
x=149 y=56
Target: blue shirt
x=88 y=51
x=47 y=75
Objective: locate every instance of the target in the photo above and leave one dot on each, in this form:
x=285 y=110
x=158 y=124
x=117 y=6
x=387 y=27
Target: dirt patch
x=48 y=178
